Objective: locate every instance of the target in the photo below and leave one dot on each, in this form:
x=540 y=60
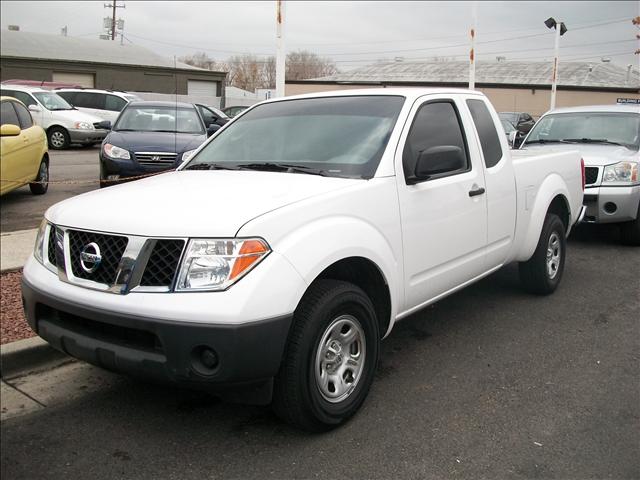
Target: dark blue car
x=150 y=137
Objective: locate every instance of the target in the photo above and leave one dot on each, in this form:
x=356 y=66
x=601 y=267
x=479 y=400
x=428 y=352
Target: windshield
x=159 y=119
x=509 y=116
x=337 y=136
x=507 y=125
x=588 y=127
x=52 y=101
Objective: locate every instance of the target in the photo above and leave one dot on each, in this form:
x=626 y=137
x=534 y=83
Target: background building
x=511 y=86
x=105 y=64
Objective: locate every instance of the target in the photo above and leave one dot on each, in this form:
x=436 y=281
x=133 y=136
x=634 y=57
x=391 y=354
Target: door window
x=436 y=124
x=24 y=116
x=114 y=103
x=22 y=96
x=89 y=100
x=8 y=115
x=489 y=140
x=207 y=115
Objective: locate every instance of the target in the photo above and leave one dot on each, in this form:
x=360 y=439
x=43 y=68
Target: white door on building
x=202 y=88
x=86 y=80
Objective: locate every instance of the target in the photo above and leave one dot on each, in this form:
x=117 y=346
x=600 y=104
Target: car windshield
x=333 y=136
x=507 y=125
x=52 y=101
x=588 y=127
x=509 y=116
x=159 y=119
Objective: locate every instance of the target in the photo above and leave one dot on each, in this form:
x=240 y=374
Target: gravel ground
x=13 y=325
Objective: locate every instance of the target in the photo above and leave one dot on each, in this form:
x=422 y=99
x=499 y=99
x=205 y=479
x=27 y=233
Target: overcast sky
x=352 y=33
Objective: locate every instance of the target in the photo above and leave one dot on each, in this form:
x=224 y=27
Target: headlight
x=83 y=125
x=116 y=152
x=216 y=264
x=38 y=249
x=188 y=154
x=624 y=172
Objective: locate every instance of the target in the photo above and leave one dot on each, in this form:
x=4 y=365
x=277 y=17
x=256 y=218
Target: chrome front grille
x=156 y=159
x=114 y=263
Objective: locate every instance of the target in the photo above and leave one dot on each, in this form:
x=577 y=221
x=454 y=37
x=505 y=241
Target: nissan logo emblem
x=90 y=257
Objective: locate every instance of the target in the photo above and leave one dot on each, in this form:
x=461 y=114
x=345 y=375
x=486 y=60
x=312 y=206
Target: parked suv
x=63 y=123
x=105 y=104
x=608 y=136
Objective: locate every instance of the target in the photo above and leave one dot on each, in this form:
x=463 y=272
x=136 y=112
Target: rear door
x=33 y=139
x=444 y=218
x=13 y=151
x=91 y=103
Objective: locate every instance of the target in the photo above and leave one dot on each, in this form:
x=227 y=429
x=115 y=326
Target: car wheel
x=630 y=231
x=41 y=184
x=330 y=357
x=541 y=274
x=58 y=138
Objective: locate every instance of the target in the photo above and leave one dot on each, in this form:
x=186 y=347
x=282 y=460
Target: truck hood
x=594 y=155
x=190 y=203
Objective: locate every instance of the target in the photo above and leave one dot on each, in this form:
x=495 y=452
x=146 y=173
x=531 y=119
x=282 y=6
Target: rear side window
x=89 y=100
x=68 y=96
x=23 y=97
x=489 y=140
x=436 y=124
x=24 y=116
x=8 y=115
x=114 y=103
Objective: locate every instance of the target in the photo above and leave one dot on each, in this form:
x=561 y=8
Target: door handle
x=476 y=191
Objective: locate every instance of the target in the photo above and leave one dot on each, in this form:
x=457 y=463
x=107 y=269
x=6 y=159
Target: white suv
x=102 y=103
x=63 y=123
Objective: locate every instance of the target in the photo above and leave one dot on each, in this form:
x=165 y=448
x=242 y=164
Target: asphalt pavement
x=21 y=210
x=488 y=383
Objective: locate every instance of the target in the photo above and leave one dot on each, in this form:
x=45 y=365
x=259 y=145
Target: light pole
x=280 y=52
x=561 y=29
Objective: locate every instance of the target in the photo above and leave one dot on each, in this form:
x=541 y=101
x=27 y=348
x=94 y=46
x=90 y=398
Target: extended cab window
x=436 y=124
x=489 y=140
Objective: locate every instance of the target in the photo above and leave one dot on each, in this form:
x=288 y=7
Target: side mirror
x=512 y=138
x=213 y=128
x=9 y=130
x=105 y=124
x=436 y=160
x=34 y=108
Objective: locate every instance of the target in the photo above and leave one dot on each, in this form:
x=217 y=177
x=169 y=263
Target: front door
x=444 y=218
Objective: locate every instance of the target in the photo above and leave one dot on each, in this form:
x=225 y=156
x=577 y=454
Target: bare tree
x=200 y=60
x=302 y=65
x=246 y=72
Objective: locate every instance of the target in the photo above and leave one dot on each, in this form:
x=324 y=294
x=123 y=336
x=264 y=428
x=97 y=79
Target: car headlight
x=216 y=264
x=188 y=154
x=83 y=125
x=38 y=249
x=624 y=172
x=116 y=152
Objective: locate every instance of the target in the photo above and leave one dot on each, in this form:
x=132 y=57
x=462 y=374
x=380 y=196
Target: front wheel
x=330 y=357
x=541 y=274
x=58 y=138
x=41 y=183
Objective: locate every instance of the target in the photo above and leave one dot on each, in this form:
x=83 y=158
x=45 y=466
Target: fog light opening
x=610 y=208
x=204 y=360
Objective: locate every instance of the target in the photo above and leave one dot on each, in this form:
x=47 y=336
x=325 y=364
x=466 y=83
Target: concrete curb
x=28 y=355
x=16 y=247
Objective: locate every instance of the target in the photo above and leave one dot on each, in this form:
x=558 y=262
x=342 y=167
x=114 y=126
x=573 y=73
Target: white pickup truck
x=270 y=265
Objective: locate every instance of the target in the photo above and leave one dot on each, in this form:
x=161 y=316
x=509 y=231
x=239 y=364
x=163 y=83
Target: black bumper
x=248 y=355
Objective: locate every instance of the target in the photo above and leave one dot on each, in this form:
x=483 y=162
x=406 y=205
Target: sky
x=354 y=33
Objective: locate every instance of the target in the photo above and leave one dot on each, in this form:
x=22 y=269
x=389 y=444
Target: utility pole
x=113 y=5
x=472 y=53
x=280 y=52
x=561 y=29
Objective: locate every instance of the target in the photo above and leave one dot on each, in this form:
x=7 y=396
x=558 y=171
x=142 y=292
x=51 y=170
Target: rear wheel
x=41 y=184
x=541 y=274
x=58 y=138
x=630 y=231
x=330 y=357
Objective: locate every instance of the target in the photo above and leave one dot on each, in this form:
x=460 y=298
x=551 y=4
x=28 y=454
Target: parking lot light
x=561 y=29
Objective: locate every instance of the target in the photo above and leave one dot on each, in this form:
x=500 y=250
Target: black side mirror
x=436 y=160
x=105 y=124
x=213 y=128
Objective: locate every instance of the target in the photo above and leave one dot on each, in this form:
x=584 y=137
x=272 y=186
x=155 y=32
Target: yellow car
x=24 y=157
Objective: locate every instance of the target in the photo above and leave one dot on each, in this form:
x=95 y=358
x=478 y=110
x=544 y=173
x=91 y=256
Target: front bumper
x=85 y=136
x=248 y=354
x=611 y=204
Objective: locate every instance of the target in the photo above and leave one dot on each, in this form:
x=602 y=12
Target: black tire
x=58 y=138
x=297 y=397
x=103 y=178
x=42 y=186
x=538 y=274
x=630 y=231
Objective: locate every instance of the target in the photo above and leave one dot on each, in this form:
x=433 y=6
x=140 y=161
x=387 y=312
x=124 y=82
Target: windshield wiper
x=542 y=140
x=283 y=167
x=211 y=166
x=594 y=140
